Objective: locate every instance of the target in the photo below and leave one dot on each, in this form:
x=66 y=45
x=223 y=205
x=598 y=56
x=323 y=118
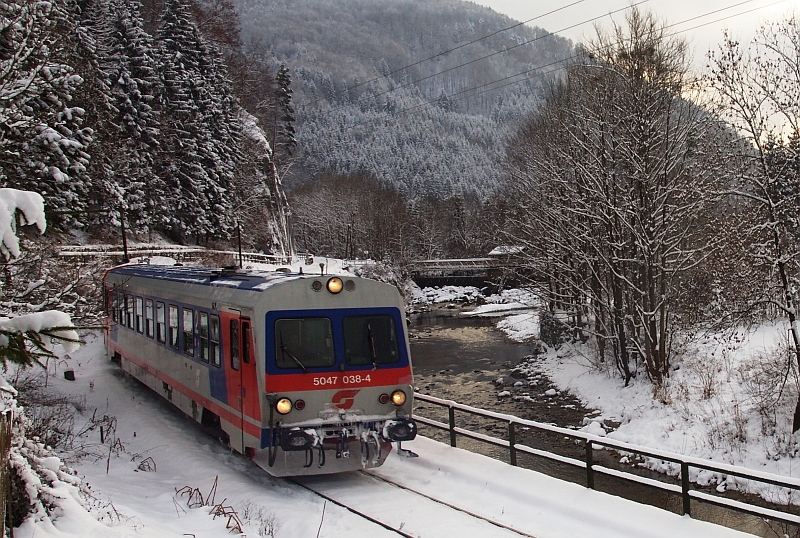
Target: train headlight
x=284 y=405
x=335 y=285
x=383 y=398
x=398 y=397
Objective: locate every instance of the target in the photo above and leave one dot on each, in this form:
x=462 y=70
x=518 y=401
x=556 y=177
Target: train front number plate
x=333 y=380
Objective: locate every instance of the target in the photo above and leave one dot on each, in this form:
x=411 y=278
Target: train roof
x=242 y=279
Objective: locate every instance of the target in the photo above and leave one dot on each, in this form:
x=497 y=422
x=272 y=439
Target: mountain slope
x=431 y=128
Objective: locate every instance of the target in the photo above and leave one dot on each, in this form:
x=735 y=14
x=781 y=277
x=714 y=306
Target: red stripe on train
x=220 y=411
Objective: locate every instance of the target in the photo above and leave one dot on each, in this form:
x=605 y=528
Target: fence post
x=452 y=413
x=5 y=470
x=512 y=440
x=687 y=505
x=589 y=463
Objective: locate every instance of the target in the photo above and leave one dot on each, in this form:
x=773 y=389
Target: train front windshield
x=370 y=340
x=311 y=342
x=304 y=343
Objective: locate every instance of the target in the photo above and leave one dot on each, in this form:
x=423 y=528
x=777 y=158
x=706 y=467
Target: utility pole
x=239 y=241
x=125 y=258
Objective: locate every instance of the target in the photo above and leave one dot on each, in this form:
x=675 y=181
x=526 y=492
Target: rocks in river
x=504 y=394
x=518 y=373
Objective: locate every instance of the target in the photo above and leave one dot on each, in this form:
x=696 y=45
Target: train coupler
x=343 y=444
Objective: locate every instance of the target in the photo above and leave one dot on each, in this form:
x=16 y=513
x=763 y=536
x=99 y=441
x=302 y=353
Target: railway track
x=378 y=500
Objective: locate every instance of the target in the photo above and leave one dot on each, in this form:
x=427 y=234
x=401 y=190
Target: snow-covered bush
x=49 y=415
x=553 y=331
x=27 y=331
x=41 y=484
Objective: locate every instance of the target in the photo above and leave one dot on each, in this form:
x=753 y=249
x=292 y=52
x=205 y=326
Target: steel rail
x=454 y=507
x=350 y=509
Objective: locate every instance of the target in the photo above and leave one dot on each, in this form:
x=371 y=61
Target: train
x=305 y=374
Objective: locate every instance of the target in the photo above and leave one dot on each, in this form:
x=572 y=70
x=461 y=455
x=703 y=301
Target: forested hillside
x=141 y=115
x=368 y=101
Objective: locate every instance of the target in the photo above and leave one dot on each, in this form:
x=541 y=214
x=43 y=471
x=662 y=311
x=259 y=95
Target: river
x=466 y=359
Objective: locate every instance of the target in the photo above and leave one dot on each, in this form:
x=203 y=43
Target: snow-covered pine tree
x=199 y=142
x=131 y=183
x=284 y=138
x=91 y=22
x=26 y=331
x=43 y=143
x=114 y=57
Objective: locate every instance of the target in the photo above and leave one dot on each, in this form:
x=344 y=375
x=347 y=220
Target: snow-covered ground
x=729 y=398
x=150 y=499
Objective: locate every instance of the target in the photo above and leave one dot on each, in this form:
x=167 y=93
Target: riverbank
x=729 y=397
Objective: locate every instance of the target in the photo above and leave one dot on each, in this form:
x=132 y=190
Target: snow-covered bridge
x=479 y=272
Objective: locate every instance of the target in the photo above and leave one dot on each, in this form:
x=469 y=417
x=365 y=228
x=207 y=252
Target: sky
x=742 y=20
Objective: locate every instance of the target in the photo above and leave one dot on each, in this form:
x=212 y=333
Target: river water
x=469 y=361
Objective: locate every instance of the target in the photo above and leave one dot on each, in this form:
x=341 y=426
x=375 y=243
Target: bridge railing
x=685 y=489
x=179 y=252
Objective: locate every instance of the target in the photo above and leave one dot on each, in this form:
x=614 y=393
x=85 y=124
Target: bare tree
x=758 y=91
x=612 y=178
x=351 y=216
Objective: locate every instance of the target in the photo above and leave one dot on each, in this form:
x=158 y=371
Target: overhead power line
x=459 y=47
x=505 y=50
x=560 y=64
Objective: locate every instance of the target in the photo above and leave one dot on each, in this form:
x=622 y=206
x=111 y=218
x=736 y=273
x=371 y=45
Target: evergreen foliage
x=285 y=140
x=112 y=123
x=43 y=142
x=130 y=184
x=431 y=129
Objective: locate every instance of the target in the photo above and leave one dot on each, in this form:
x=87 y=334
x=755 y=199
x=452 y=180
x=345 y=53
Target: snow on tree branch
x=26 y=337
x=28 y=208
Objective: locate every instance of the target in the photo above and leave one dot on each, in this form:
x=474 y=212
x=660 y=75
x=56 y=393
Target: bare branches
x=614 y=179
x=758 y=90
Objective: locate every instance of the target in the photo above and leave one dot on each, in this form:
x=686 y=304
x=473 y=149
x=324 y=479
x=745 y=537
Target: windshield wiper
x=372 y=346
x=285 y=352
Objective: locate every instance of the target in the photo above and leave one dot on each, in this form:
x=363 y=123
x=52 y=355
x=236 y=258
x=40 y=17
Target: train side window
x=214 y=341
x=235 y=344
x=161 y=322
x=246 y=342
x=139 y=315
x=121 y=308
x=173 y=326
x=129 y=311
x=110 y=303
x=148 y=317
x=114 y=305
x=188 y=331
x=203 y=334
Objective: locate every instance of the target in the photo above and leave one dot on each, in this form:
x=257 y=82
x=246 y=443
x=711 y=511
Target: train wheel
x=210 y=421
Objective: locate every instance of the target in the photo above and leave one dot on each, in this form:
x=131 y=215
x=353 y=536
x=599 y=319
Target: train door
x=242 y=385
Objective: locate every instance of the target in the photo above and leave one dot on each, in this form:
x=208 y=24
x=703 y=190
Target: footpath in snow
x=133 y=501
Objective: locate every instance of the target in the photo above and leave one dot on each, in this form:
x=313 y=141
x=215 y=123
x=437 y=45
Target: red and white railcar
x=305 y=374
